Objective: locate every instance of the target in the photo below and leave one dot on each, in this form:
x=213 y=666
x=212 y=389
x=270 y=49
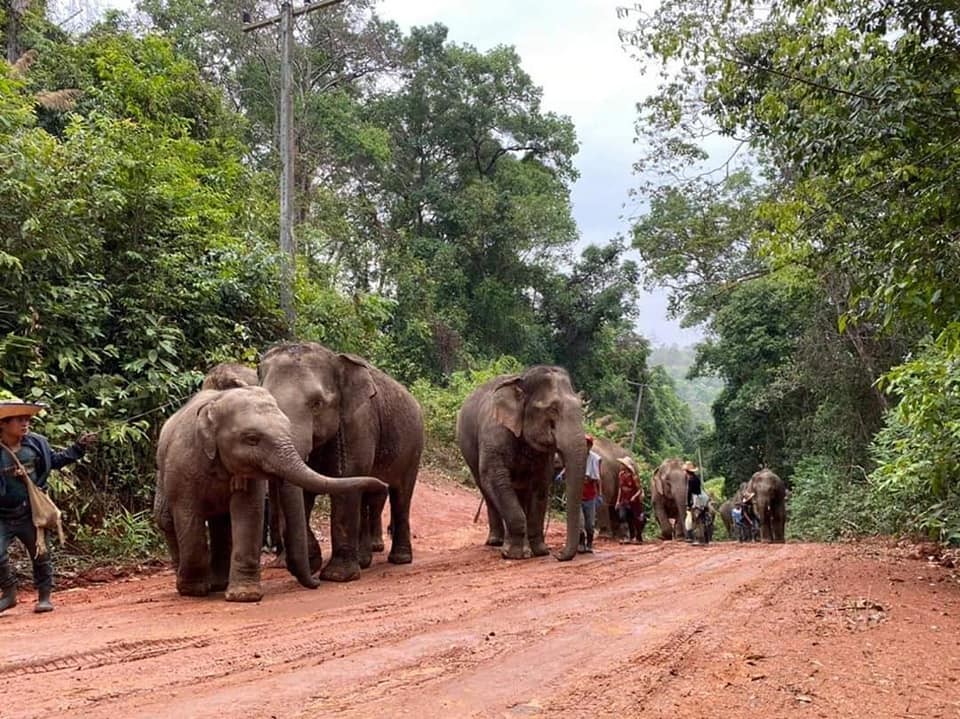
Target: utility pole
x=636 y=412
x=288 y=243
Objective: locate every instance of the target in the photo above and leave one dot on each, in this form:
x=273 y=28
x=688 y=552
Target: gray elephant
x=509 y=430
x=768 y=494
x=214 y=456
x=228 y=375
x=668 y=495
x=350 y=418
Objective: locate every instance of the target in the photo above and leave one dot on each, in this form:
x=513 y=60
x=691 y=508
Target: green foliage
x=846 y=118
x=441 y=404
x=826 y=504
x=918 y=451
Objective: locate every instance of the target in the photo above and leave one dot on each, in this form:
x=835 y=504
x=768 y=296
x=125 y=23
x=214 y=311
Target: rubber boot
x=582 y=547
x=43 y=602
x=589 y=547
x=9 y=598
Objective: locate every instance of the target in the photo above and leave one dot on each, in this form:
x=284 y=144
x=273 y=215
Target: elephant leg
x=275 y=519
x=401 y=546
x=514 y=519
x=165 y=522
x=220 y=551
x=495 y=530
x=314 y=553
x=344 y=565
x=376 y=502
x=193 y=565
x=779 y=526
x=539 y=496
x=371 y=526
x=663 y=519
x=246 y=525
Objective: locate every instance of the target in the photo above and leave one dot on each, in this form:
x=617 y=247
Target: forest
x=138 y=237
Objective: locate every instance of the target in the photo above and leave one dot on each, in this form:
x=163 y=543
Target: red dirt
x=795 y=630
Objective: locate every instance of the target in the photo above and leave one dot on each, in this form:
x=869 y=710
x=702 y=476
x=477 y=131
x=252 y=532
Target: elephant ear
x=508 y=400
x=207 y=429
x=357 y=387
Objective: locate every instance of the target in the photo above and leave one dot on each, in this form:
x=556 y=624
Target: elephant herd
x=312 y=421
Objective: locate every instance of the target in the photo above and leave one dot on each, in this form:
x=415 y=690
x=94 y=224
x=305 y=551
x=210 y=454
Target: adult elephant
x=609 y=451
x=768 y=494
x=668 y=495
x=350 y=418
x=509 y=430
x=214 y=457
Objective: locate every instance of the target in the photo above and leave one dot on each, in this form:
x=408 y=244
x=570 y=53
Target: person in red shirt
x=590 y=498
x=630 y=501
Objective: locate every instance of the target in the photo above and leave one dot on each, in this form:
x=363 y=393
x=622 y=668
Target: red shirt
x=591 y=488
x=628 y=487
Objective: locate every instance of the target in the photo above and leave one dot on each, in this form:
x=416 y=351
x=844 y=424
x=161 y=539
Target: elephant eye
x=252 y=439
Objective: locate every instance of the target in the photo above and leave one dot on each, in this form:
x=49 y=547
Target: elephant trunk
x=573 y=448
x=295 y=534
x=290 y=467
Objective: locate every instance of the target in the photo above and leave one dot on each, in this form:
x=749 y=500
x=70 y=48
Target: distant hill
x=699 y=393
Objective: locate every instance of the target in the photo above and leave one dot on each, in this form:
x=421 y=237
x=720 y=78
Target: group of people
x=629 y=502
x=25 y=458
x=629 y=499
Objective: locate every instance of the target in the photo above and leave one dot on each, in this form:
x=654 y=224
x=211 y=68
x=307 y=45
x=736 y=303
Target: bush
x=826 y=503
x=441 y=404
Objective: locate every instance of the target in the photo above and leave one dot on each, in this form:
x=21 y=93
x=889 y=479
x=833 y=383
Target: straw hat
x=690 y=467
x=11 y=406
x=628 y=463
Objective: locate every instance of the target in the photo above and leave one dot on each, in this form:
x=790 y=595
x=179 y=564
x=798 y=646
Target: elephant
x=610 y=452
x=668 y=495
x=214 y=457
x=348 y=417
x=726 y=514
x=509 y=429
x=768 y=495
x=228 y=375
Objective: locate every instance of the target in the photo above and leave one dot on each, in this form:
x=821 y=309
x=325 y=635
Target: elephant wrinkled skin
x=509 y=430
x=214 y=456
x=348 y=417
x=769 y=504
x=668 y=495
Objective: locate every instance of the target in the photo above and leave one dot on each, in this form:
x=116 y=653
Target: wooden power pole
x=288 y=244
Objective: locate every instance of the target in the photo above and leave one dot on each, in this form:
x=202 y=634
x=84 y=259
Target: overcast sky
x=571 y=49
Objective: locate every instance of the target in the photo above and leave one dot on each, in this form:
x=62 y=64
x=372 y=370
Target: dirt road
x=661 y=629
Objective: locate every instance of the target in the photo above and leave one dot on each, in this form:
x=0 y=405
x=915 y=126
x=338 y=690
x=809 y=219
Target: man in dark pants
x=35 y=459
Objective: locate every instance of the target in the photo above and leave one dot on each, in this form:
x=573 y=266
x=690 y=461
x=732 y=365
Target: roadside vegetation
x=138 y=221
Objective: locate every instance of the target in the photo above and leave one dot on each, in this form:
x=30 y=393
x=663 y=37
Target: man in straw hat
x=630 y=500
x=26 y=457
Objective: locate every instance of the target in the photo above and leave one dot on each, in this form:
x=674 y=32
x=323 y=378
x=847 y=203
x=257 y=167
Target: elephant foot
x=244 y=593
x=494 y=541
x=400 y=555
x=316 y=562
x=218 y=585
x=515 y=551
x=539 y=549
x=193 y=590
x=365 y=559
x=341 y=570
x=377 y=546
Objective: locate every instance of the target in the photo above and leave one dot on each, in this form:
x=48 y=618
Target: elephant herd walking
x=311 y=421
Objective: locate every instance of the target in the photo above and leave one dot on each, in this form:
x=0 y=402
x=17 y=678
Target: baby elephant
x=214 y=457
